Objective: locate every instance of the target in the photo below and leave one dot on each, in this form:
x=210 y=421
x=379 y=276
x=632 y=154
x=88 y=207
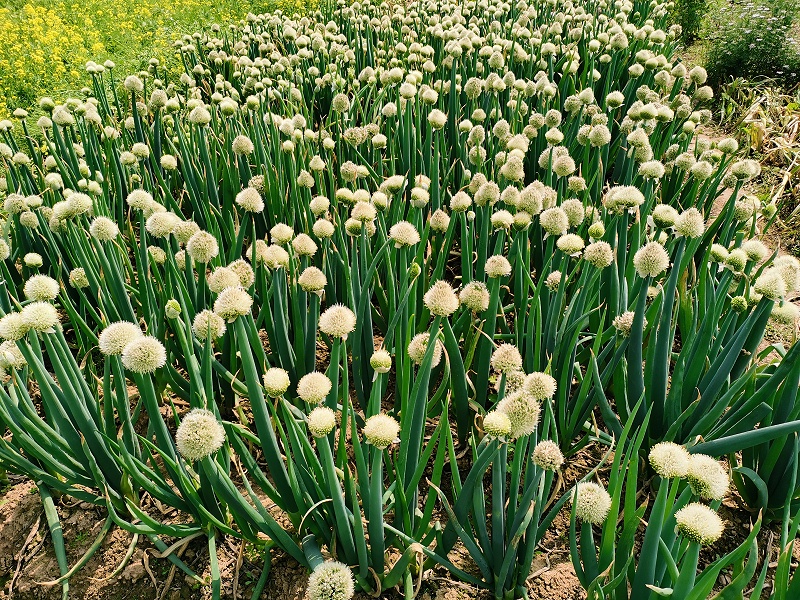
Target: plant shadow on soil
x=27 y=558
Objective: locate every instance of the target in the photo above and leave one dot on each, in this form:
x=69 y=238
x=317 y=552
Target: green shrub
x=689 y=15
x=753 y=39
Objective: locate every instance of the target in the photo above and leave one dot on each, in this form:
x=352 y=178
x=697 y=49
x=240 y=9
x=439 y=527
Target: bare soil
x=28 y=562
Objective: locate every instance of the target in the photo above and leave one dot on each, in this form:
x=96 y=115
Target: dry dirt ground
x=27 y=560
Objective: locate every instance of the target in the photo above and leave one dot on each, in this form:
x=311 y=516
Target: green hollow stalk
x=375 y=511
x=484 y=352
x=266 y=432
x=344 y=531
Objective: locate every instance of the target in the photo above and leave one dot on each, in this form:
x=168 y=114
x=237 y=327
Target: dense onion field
x=360 y=283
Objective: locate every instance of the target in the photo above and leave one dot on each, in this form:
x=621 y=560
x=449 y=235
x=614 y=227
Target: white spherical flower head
x=337 y=321
x=144 y=355
x=785 y=314
x=690 y=223
x=755 y=249
x=489 y=193
x=184 y=231
x=139 y=199
x=523 y=411
x=789 y=269
x=570 y=243
x=199 y=435
x=564 y=166
x=736 y=260
x=276 y=382
x=592 y=504
x=232 y=303
x=207 y=324
x=13 y=327
x=133 y=84
x=340 y=103
x=771 y=285
x=554 y=220
x=244 y=271
x=404 y=233
x=699 y=524
x=702 y=170
x=664 y=216
x=502 y=219
x=381 y=361
x=281 y=234
x=14 y=203
x=242 y=145
x=321 y=421
x=575 y=211
x=437 y=119
x=33 y=260
x=319 y=205
x=707 y=477
x=718 y=253
x=276 y=257
x=364 y=212
x=553 y=281
x=42 y=288
x=381 y=431
x=506 y=358
x=547 y=455
x=312 y=279
x=475 y=296
x=497 y=266
x=652 y=169
x=314 y=387
x=540 y=385
x=745 y=170
x=323 y=228
x=78 y=204
x=78 y=278
x=250 y=200
x=419 y=197
x=419 y=345
x=441 y=299
x=623 y=197
x=40 y=316
x=222 y=278
x=460 y=202
x=651 y=260
x=669 y=460
x=115 y=337
x=202 y=247
x=330 y=581
x=303 y=245
x=200 y=116
x=497 y=424
x=10 y=356
x=257 y=252
x=103 y=229
x=599 y=254
x=514 y=380
x=161 y=224
x=169 y=162
x=157 y=255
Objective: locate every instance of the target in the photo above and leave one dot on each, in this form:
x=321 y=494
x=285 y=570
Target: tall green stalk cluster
x=360 y=283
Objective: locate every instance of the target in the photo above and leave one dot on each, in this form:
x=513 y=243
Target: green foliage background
x=46 y=43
